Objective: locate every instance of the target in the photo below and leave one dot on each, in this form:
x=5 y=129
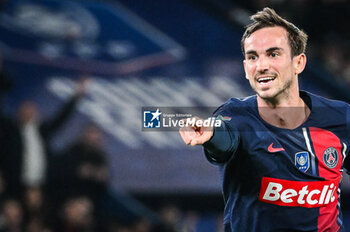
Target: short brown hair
x=269 y=18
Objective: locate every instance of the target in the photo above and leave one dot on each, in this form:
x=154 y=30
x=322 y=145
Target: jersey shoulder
x=319 y=101
x=236 y=105
x=332 y=108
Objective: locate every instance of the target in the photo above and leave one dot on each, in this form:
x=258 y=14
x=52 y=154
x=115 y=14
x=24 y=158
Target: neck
x=287 y=113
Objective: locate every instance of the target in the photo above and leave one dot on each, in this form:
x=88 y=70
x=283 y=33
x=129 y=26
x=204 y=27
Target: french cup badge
x=302 y=161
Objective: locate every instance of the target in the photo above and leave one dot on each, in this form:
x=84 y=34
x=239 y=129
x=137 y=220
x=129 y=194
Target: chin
x=268 y=92
x=265 y=93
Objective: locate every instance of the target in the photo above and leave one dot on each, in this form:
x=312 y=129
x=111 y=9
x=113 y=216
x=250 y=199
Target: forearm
x=222 y=145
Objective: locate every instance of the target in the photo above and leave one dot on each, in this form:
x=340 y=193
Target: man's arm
x=50 y=126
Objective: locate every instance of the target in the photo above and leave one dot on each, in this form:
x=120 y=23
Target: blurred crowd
x=48 y=190
x=43 y=191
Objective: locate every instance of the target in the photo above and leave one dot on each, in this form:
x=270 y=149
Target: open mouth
x=266 y=80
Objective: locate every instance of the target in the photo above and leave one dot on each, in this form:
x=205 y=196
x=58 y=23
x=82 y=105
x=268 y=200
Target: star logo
x=152 y=118
x=156 y=115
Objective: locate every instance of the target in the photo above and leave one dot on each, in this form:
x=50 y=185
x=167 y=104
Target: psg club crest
x=302 y=161
x=330 y=157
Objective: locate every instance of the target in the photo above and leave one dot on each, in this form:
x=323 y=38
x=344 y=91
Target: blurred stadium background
x=152 y=53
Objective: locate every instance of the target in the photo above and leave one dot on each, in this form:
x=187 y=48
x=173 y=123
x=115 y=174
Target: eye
x=274 y=54
x=252 y=57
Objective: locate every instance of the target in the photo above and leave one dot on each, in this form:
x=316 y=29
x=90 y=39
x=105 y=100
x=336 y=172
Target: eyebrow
x=268 y=50
x=251 y=52
x=274 y=49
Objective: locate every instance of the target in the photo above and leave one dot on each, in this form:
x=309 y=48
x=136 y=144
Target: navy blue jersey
x=277 y=179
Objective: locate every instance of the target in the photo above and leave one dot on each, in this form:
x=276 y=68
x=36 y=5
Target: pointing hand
x=194 y=135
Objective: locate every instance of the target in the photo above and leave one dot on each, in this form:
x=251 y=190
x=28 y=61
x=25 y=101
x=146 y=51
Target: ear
x=245 y=69
x=299 y=63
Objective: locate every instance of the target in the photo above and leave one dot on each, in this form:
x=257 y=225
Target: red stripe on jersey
x=327 y=148
x=322 y=140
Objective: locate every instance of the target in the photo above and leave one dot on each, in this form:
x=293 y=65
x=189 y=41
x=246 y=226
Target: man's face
x=268 y=64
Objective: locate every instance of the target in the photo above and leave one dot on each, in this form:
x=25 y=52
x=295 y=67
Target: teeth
x=265 y=79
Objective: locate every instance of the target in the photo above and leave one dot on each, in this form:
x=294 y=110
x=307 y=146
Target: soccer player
x=282 y=151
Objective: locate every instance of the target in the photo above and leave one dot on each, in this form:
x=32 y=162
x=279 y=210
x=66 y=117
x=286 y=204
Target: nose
x=262 y=64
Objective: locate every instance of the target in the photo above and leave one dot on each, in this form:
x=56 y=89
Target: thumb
x=206 y=136
x=194 y=142
x=197 y=141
